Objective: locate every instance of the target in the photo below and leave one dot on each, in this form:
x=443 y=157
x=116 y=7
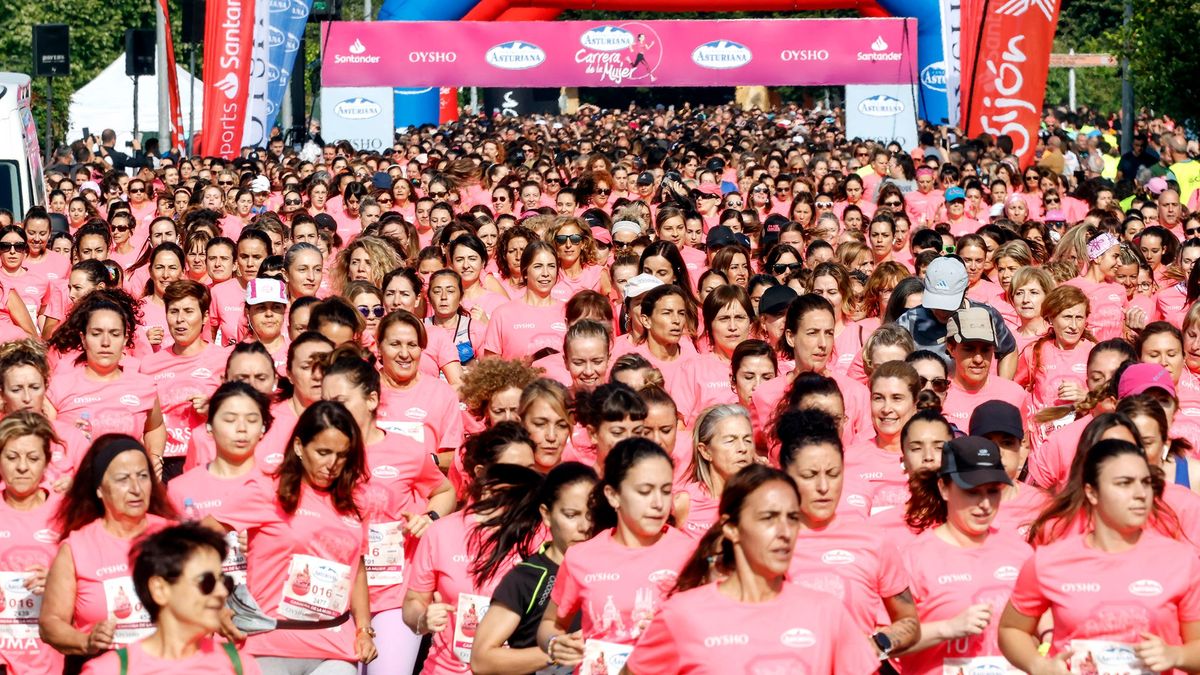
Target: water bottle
x=85 y=423
x=191 y=514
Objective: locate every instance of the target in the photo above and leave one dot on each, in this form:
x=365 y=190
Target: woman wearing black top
x=519 y=602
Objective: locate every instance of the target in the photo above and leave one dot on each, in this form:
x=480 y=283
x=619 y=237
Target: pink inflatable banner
x=808 y=52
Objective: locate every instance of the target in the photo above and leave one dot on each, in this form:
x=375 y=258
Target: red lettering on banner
x=1005 y=59
x=228 y=40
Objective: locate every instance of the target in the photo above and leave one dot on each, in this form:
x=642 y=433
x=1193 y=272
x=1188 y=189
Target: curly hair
x=27 y=352
x=490 y=376
x=587 y=249
x=68 y=337
x=383 y=258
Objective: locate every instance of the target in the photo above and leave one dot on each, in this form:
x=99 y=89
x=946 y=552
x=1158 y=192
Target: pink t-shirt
x=428 y=407
x=704 y=380
x=438 y=353
x=616 y=590
x=228 y=310
x=946 y=579
x=960 y=403
x=1018 y=513
x=848 y=344
x=119 y=406
x=1056 y=366
x=1094 y=595
x=300 y=566
x=29 y=539
x=1049 y=465
x=798 y=631
x=65 y=456
x=29 y=286
x=992 y=294
x=211 y=495
x=882 y=470
x=516 y=329
x=703 y=510
x=851 y=560
x=670 y=369
x=588 y=280
x=1106 y=307
x=178 y=379
x=1170 y=304
x=210 y=659
x=104 y=582
x=441 y=564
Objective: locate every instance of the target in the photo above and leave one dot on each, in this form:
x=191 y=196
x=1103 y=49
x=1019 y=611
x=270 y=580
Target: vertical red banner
x=1005 y=60
x=228 y=43
x=173 y=84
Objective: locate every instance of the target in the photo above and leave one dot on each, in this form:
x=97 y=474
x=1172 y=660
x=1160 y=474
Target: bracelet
x=550 y=650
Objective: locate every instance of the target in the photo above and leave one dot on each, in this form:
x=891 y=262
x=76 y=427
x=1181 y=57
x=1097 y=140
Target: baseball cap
x=971 y=323
x=645 y=178
x=955 y=194
x=601 y=235
x=259 y=291
x=776 y=300
x=381 y=181
x=1142 y=376
x=972 y=461
x=715 y=164
x=996 y=416
x=260 y=184
x=707 y=189
x=1156 y=185
x=945 y=284
x=722 y=235
x=640 y=284
x=325 y=222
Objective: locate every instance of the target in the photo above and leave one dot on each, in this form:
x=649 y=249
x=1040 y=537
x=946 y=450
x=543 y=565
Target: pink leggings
x=398 y=646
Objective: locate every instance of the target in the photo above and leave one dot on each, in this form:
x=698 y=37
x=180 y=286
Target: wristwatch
x=433 y=515
x=368 y=630
x=883 y=643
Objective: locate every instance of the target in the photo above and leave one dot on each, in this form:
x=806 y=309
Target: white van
x=22 y=181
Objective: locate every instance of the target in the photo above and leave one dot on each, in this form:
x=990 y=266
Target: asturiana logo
x=606 y=39
x=358 y=54
x=934 y=76
x=357 y=108
x=515 y=55
x=881 y=106
x=721 y=55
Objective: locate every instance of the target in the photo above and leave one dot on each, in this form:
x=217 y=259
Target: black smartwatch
x=884 y=643
x=433 y=515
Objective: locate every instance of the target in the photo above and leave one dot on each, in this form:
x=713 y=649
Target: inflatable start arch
x=937 y=28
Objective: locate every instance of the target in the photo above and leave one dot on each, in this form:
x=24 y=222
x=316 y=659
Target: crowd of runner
x=640 y=391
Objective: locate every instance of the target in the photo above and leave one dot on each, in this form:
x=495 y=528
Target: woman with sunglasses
x=783 y=262
x=124 y=251
x=368 y=301
x=575 y=248
x=90 y=605
x=703 y=380
x=307 y=538
x=141 y=202
x=178 y=579
x=22 y=284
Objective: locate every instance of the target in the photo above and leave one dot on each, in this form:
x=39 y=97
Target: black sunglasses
x=292 y=202
x=603 y=192
x=893 y=204
x=224 y=182
x=207 y=583
x=780 y=268
x=939 y=384
x=622 y=245
x=561 y=239
x=13 y=246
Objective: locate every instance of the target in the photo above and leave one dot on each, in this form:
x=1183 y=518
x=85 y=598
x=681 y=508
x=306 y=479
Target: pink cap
x=924 y=171
x=710 y=189
x=1142 y=376
x=1156 y=185
x=602 y=235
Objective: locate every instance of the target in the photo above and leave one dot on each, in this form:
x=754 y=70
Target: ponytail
x=512 y=522
x=925 y=508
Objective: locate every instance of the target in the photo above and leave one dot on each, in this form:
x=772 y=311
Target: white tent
x=107 y=103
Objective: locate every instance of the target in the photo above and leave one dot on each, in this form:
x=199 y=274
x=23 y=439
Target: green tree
x=1163 y=58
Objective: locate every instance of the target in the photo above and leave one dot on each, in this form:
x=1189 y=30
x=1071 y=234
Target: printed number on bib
x=604 y=658
x=124 y=607
x=19 y=607
x=1103 y=657
x=471 y=609
x=315 y=590
x=385 y=554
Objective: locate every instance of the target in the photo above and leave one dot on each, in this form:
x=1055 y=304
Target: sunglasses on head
x=13 y=246
x=207 y=583
x=575 y=239
x=368 y=312
x=781 y=268
x=939 y=384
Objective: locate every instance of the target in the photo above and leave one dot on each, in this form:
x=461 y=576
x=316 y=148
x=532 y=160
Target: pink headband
x=1100 y=244
x=924 y=171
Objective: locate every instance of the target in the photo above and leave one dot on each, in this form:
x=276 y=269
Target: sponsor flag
x=1005 y=59
x=255 y=131
x=285 y=26
x=228 y=42
x=173 y=83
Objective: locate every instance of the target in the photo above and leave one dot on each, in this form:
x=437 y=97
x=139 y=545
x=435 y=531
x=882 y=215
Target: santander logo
x=358 y=54
x=357 y=47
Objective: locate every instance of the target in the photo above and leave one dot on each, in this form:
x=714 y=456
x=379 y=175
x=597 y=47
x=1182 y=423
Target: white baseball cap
x=259 y=291
x=641 y=284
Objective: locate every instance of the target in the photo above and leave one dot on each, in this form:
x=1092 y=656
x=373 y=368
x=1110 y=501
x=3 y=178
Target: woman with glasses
x=760 y=199
x=367 y=299
x=318 y=194
x=178 y=579
x=91 y=605
x=124 y=252
x=502 y=199
x=1051 y=201
x=26 y=288
x=891 y=198
x=141 y=201
x=783 y=262
x=574 y=246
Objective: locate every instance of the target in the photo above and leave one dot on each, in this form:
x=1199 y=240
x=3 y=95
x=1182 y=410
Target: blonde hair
x=382 y=255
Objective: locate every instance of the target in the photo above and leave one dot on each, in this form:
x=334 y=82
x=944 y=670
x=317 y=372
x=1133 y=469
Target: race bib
x=19 y=607
x=471 y=609
x=316 y=589
x=124 y=608
x=234 y=565
x=1104 y=657
x=385 y=554
x=604 y=658
x=980 y=665
x=414 y=430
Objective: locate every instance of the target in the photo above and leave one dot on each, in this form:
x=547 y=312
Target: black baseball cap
x=971 y=461
x=721 y=236
x=645 y=178
x=776 y=300
x=997 y=416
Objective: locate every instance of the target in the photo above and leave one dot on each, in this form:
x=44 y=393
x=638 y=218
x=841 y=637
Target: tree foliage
x=1163 y=59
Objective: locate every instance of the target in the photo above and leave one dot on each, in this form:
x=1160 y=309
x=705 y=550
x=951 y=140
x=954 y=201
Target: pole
x=135 y=106
x=192 y=100
x=164 y=87
x=367 y=11
x=49 y=112
x=1071 y=85
x=1126 y=86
